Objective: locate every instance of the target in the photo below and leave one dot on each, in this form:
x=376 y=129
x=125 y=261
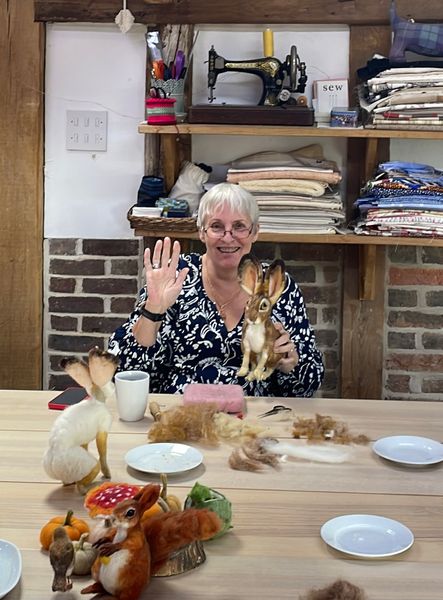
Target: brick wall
x=414 y=324
x=317 y=269
x=91 y=287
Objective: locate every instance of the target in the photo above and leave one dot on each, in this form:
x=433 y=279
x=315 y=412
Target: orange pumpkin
x=74 y=528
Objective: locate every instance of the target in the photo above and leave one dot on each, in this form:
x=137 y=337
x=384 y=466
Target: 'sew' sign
x=328 y=94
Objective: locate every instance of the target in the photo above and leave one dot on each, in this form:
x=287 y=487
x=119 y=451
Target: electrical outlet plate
x=87 y=130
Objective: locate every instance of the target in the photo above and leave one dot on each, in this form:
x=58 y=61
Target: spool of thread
x=268 y=42
x=302 y=101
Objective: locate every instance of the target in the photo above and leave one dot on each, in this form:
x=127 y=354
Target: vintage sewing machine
x=280 y=81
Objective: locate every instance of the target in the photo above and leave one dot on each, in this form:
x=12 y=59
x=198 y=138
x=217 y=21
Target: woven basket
x=159 y=224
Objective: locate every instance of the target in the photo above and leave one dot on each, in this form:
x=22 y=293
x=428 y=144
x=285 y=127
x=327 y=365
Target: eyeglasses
x=239 y=231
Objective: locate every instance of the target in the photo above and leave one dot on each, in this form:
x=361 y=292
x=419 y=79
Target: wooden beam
x=21 y=169
x=363 y=270
x=362 y=329
x=170 y=160
x=300 y=12
x=174 y=149
x=367 y=271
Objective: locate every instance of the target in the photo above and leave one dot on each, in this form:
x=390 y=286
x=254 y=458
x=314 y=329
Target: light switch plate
x=87 y=130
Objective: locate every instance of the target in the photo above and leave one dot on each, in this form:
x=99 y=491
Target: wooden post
x=21 y=177
x=174 y=148
x=363 y=269
x=367 y=266
x=170 y=159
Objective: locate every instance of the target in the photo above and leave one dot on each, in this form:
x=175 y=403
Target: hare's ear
x=102 y=366
x=250 y=274
x=78 y=370
x=148 y=496
x=274 y=283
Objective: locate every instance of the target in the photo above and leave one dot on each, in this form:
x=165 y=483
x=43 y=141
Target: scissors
x=275 y=410
x=157 y=92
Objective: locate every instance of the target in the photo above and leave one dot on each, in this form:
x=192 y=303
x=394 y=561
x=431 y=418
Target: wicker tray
x=188 y=224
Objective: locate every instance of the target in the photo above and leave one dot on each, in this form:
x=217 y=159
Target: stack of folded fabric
x=297 y=191
x=404 y=199
x=404 y=98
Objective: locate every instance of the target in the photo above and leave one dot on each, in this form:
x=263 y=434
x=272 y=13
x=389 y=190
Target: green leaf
x=204 y=497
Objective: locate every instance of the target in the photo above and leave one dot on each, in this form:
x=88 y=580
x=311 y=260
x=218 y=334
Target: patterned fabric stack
x=404 y=98
x=404 y=199
x=295 y=193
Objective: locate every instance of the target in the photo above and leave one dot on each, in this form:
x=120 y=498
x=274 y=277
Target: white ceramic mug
x=131 y=392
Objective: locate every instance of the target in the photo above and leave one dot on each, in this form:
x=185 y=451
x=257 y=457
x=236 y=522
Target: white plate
x=163 y=458
x=10 y=567
x=409 y=450
x=367 y=536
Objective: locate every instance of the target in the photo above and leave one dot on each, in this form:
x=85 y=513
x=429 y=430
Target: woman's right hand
x=162 y=281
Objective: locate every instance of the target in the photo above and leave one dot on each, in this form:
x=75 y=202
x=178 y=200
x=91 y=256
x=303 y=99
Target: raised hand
x=162 y=281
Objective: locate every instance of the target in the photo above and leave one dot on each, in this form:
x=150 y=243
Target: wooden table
x=275 y=550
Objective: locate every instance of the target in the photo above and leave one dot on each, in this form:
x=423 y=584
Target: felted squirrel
x=132 y=551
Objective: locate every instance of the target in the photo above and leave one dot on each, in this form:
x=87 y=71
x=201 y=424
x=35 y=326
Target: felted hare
x=259 y=333
x=67 y=457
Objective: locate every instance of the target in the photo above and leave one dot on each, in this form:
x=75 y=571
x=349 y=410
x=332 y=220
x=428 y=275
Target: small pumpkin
x=173 y=502
x=84 y=555
x=74 y=528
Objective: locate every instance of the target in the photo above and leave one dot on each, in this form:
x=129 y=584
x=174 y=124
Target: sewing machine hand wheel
x=292 y=68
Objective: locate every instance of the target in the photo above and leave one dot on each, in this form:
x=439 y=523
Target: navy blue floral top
x=193 y=344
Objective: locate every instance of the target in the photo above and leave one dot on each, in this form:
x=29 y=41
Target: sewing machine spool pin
x=271 y=71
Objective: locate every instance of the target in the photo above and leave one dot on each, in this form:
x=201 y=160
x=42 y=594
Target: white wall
x=93 y=67
x=96 y=67
x=428 y=152
x=240 y=42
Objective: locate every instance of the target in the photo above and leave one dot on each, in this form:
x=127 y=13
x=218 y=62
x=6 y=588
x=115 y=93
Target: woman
x=187 y=326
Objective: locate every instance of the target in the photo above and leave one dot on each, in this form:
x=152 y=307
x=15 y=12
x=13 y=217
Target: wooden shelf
x=297 y=238
x=367 y=245
x=280 y=130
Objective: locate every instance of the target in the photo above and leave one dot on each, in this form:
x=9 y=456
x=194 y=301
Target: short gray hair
x=231 y=195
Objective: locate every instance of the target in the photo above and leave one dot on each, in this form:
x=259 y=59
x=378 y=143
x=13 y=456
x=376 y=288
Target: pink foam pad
x=228 y=397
